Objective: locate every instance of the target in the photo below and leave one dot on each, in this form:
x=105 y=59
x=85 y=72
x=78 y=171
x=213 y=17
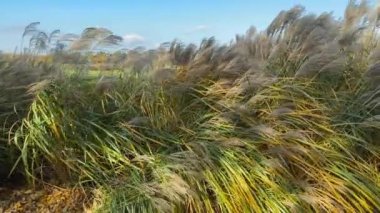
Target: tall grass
x=278 y=121
x=21 y=78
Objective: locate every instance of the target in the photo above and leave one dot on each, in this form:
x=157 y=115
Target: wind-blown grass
x=20 y=78
x=279 y=121
x=153 y=150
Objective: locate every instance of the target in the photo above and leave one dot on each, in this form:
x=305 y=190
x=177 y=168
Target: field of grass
x=285 y=120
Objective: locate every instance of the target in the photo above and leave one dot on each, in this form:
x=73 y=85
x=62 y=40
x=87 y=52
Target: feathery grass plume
x=204 y=62
x=315 y=63
x=254 y=82
x=315 y=40
x=293 y=14
x=301 y=39
x=300 y=27
x=354 y=14
x=39 y=41
x=324 y=31
x=277 y=51
x=17 y=76
x=233 y=69
x=333 y=71
x=276 y=25
x=54 y=35
x=355 y=22
x=283 y=61
x=350 y=36
x=30 y=29
x=245 y=45
x=263 y=46
x=181 y=55
x=93 y=37
x=283 y=19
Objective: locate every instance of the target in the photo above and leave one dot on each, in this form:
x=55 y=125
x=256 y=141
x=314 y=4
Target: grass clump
x=21 y=78
x=149 y=149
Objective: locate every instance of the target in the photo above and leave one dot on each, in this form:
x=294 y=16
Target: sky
x=149 y=22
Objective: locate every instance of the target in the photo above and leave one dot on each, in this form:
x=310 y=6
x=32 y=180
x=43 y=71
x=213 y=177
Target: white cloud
x=198 y=28
x=133 y=38
x=201 y=27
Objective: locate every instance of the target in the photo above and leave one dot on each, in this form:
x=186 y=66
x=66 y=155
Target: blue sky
x=149 y=22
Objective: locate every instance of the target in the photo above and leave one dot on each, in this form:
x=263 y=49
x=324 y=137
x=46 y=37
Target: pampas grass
x=285 y=120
